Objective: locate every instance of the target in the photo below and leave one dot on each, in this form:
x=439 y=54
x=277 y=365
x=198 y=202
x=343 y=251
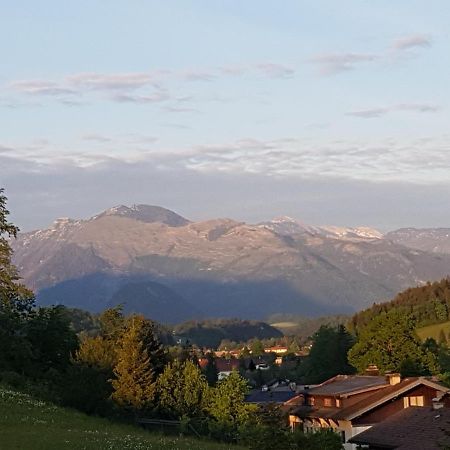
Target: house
x=351 y=404
x=277 y=349
x=225 y=367
x=414 y=428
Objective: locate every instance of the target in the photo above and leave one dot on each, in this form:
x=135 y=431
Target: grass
x=434 y=331
x=28 y=424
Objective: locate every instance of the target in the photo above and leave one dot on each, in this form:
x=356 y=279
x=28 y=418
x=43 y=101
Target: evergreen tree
x=210 y=370
x=134 y=383
x=328 y=355
x=388 y=341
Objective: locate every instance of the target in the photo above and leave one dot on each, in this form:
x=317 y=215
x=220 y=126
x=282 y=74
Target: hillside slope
x=31 y=424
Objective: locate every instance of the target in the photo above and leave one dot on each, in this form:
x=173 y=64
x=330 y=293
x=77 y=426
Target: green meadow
x=434 y=331
x=27 y=423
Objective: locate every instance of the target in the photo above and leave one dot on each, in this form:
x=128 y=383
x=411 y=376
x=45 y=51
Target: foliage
x=137 y=362
x=182 y=390
x=210 y=370
x=389 y=342
x=228 y=407
x=321 y=440
x=304 y=327
x=428 y=304
x=328 y=355
x=210 y=333
x=16 y=301
x=256 y=347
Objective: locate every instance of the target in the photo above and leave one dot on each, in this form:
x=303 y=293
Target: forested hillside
x=428 y=304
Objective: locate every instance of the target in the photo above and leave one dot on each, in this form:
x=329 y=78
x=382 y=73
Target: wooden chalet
x=414 y=428
x=351 y=404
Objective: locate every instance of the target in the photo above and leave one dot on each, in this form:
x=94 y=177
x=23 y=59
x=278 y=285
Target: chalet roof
x=371 y=401
x=414 y=428
x=348 y=385
x=387 y=393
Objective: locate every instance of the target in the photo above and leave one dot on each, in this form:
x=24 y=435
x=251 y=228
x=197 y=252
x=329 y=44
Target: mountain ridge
x=223 y=267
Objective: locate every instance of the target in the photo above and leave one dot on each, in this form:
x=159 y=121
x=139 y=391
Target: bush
x=12 y=379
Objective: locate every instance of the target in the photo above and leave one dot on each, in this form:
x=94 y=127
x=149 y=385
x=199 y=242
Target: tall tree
x=328 y=355
x=137 y=365
x=389 y=341
x=228 y=406
x=14 y=296
x=16 y=301
x=182 y=390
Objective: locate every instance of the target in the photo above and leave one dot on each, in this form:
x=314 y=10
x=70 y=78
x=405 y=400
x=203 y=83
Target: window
x=342 y=433
x=413 y=401
x=311 y=401
x=338 y=402
x=327 y=402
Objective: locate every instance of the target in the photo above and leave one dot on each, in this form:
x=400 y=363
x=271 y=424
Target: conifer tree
x=134 y=386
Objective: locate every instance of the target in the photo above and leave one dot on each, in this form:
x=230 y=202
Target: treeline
x=210 y=333
x=427 y=305
x=304 y=327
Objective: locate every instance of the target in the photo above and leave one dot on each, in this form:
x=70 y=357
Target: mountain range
x=156 y=262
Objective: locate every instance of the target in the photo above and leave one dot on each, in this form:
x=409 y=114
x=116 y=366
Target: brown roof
x=349 y=385
x=414 y=428
x=227 y=365
x=381 y=396
x=386 y=394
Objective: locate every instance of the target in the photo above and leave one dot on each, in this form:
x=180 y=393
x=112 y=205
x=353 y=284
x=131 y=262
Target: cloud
x=233 y=69
x=66 y=189
x=96 y=138
x=379 y=112
x=334 y=63
x=156 y=97
x=272 y=70
x=40 y=87
x=197 y=75
x=411 y=41
x=115 y=82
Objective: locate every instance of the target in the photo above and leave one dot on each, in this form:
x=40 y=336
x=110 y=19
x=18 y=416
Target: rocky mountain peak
x=145 y=213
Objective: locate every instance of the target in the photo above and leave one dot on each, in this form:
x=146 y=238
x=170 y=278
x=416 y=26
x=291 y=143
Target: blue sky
x=331 y=112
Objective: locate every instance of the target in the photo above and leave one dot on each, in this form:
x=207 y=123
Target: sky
x=329 y=112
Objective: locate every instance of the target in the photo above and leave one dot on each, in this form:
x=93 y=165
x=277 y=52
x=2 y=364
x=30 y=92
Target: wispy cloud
x=272 y=70
x=334 y=63
x=115 y=82
x=156 y=97
x=378 y=112
x=96 y=138
x=40 y=87
x=198 y=75
x=412 y=41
